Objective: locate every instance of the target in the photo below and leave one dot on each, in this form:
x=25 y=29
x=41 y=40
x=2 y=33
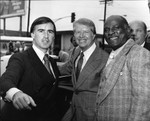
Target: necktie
x=79 y=65
x=47 y=63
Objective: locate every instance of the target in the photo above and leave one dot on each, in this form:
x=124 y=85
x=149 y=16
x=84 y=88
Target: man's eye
x=77 y=32
x=41 y=30
x=106 y=30
x=139 y=30
x=131 y=30
x=51 y=31
x=86 y=32
x=115 y=28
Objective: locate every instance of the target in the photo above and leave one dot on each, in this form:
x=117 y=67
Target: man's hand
x=23 y=101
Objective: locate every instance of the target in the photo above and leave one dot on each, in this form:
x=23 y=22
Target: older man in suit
x=139 y=33
x=85 y=66
x=28 y=85
x=124 y=89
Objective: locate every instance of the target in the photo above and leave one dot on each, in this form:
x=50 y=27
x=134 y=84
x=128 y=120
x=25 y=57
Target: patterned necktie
x=47 y=63
x=79 y=65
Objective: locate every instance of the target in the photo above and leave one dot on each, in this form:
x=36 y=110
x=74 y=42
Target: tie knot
x=81 y=54
x=45 y=57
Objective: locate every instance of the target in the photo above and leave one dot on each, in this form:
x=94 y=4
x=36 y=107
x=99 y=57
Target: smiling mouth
x=113 y=38
x=81 y=40
x=46 y=40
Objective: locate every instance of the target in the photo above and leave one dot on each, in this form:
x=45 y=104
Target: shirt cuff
x=10 y=93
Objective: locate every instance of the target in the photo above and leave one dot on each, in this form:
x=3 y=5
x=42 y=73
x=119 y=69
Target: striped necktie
x=79 y=65
x=47 y=63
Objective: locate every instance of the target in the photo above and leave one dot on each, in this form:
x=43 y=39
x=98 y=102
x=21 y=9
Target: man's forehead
x=44 y=26
x=113 y=22
x=137 y=25
x=114 y=18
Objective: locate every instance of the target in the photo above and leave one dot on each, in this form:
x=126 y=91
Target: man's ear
x=94 y=36
x=129 y=30
x=32 y=35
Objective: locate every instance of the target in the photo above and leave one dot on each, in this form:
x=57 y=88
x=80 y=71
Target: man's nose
x=82 y=34
x=111 y=31
x=133 y=36
x=133 y=32
x=46 y=34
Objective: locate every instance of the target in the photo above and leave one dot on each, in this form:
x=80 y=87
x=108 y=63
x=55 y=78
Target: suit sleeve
x=12 y=75
x=140 y=77
x=67 y=68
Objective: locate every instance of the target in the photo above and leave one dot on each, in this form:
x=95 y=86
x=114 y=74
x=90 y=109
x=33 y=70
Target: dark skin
x=117 y=31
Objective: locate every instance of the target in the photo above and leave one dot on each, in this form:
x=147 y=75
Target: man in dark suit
x=139 y=33
x=26 y=86
x=85 y=78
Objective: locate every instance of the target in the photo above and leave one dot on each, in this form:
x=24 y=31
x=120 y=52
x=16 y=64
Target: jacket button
x=54 y=83
x=76 y=92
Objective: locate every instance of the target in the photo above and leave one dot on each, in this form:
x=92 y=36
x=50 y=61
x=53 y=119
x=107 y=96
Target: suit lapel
x=76 y=54
x=91 y=65
x=107 y=83
x=54 y=67
x=39 y=67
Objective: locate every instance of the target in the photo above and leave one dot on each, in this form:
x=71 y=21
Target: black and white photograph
x=74 y=60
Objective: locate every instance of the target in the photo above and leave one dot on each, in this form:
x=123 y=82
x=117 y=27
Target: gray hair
x=86 y=22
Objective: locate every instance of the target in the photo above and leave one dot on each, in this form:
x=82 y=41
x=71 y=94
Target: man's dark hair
x=72 y=40
x=42 y=20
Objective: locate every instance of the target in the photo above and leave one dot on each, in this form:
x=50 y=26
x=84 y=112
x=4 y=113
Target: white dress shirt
x=113 y=54
x=87 y=55
x=143 y=44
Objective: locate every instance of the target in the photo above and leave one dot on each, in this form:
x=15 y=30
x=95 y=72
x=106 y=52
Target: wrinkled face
x=115 y=33
x=84 y=36
x=43 y=36
x=138 y=32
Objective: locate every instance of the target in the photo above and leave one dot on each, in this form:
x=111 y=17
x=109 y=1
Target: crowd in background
x=14 y=47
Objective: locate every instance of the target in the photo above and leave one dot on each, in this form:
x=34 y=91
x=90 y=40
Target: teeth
x=82 y=40
x=45 y=40
x=113 y=38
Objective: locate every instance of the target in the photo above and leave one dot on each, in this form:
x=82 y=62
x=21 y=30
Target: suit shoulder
x=137 y=48
x=103 y=52
x=138 y=51
x=20 y=56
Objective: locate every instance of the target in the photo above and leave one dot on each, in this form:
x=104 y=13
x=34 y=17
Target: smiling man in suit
x=124 y=88
x=85 y=66
x=26 y=86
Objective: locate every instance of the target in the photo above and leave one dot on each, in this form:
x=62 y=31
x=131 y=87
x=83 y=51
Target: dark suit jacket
x=147 y=46
x=26 y=72
x=85 y=88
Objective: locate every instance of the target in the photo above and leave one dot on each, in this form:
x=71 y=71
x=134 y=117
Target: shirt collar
x=143 y=44
x=39 y=53
x=89 y=51
x=113 y=54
